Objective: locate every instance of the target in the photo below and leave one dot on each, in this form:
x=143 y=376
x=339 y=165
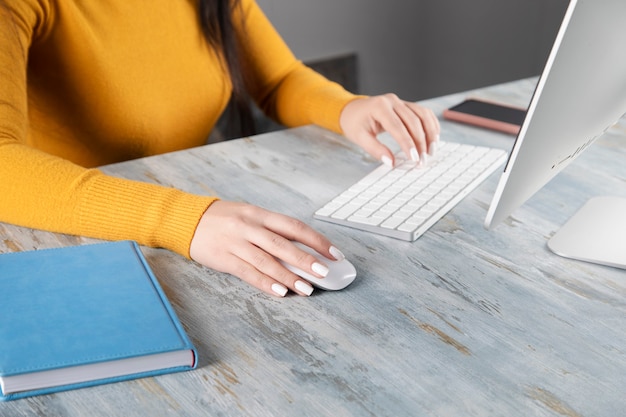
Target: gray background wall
x=423 y=48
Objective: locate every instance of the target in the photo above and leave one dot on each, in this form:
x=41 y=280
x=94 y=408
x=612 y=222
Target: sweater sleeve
x=46 y=192
x=285 y=88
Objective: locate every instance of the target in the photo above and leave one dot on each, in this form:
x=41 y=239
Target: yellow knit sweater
x=88 y=83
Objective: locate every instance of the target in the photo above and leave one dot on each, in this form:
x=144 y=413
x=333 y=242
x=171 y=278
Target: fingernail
x=319 y=269
x=387 y=161
x=337 y=254
x=425 y=159
x=304 y=287
x=414 y=155
x=433 y=148
x=279 y=289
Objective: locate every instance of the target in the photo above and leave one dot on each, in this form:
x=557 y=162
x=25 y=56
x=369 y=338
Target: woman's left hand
x=414 y=127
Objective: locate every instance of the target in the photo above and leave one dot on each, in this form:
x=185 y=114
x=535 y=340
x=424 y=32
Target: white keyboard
x=405 y=201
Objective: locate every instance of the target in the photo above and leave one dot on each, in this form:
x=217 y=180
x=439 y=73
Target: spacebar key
x=372 y=221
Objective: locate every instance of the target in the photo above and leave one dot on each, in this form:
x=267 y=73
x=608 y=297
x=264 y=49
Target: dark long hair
x=216 y=20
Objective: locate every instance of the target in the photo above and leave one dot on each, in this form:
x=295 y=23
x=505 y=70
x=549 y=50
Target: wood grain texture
x=461 y=322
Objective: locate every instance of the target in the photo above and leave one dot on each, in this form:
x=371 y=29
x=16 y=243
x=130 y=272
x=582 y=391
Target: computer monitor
x=580 y=94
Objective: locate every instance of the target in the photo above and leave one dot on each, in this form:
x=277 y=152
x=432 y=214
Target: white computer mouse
x=340 y=273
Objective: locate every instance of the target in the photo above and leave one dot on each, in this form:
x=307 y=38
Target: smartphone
x=487 y=114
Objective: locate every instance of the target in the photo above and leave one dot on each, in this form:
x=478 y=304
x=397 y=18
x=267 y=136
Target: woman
x=84 y=84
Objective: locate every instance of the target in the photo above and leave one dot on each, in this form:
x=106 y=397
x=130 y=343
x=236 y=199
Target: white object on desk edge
x=596 y=233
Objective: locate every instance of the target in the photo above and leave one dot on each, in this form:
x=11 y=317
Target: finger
x=391 y=109
x=234 y=265
x=268 y=272
x=414 y=125
x=430 y=124
x=257 y=279
x=370 y=144
x=275 y=246
x=280 y=230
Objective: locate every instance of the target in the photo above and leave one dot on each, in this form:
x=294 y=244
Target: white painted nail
x=337 y=254
x=387 y=161
x=279 y=289
x=319 y=269
x=304 y=287
x=432 y=149
x=414 y=155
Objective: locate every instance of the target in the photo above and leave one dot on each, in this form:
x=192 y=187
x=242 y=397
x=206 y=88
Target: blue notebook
x=84 y=315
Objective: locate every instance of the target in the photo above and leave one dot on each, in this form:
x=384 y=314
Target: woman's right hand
x=414 y=127
x=246 y=241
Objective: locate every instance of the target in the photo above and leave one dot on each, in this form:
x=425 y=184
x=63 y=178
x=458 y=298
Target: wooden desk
x=462 y=322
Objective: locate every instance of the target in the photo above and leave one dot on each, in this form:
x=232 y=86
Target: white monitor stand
x=596 y=233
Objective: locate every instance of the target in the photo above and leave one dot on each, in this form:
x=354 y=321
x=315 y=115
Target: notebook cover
x=80 y=305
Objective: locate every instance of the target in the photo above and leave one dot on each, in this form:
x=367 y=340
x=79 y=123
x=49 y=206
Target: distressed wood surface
x=462 y=322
